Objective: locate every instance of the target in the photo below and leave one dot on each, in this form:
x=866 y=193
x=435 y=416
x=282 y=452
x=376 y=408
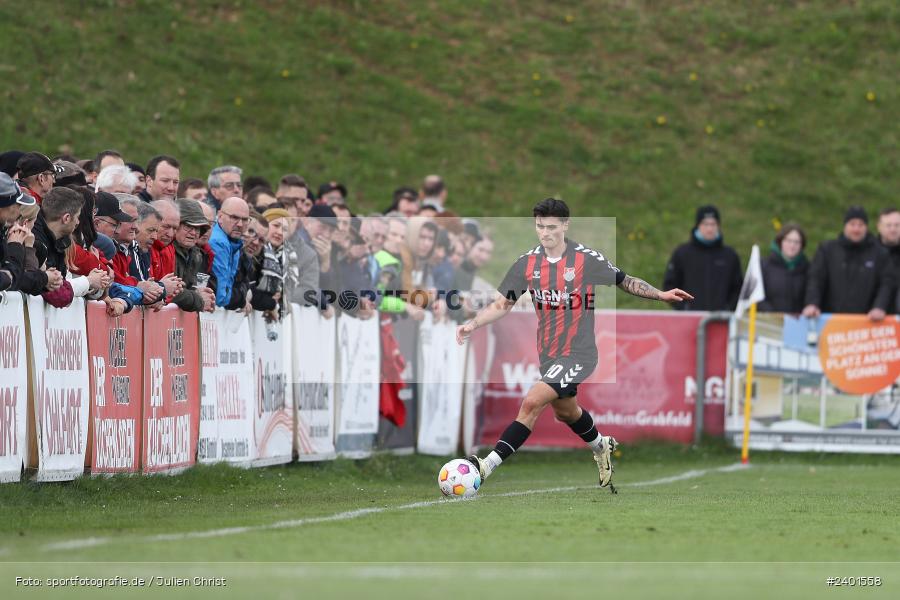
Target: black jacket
x=785 y=288
x=12 y=262
x=893 y=277
x=848 y=277
x=48 y=248
x=712 y=274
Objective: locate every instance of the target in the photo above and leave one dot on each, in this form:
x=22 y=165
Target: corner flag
x=752 y=292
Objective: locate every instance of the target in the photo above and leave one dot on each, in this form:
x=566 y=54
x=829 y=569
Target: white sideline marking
x=360 y=512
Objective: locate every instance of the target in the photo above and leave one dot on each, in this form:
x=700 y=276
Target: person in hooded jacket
x=785 y=271
x=849 y=274
x=705 y=267
x=889 y=238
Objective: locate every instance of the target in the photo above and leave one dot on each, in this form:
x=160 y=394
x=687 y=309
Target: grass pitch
x=377 y=527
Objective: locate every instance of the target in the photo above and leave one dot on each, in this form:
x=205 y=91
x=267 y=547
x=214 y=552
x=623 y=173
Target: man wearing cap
x=189 y=258
x=332 y=193
x=12 y=235
x=705 y=267
x=36 y=174
x=227 y=241
x=69 y=174
x=127 y=261
x=108 y=215
x=849 y=274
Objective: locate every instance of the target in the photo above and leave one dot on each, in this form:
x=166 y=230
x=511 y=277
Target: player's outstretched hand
x=464 y=331
x=675 y=295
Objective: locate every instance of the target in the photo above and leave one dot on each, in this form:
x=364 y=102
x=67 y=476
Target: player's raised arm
x=492 y=312
x=638 y=287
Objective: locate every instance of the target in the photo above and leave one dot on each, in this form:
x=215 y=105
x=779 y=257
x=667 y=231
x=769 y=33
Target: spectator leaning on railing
x=189 y=259
x=60 y=211
x=785 y=272
x=227 y=242
x=849 y=274
x=13 y=235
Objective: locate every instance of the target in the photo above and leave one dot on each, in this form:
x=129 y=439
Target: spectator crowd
x=857 y=272
x=144 y=235
x=131 y=235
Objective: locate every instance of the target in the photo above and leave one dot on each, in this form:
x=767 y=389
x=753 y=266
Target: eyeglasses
x=201 y=229
x=112 y=222
x=251 y=235
x=238 y=219
x=233 y=185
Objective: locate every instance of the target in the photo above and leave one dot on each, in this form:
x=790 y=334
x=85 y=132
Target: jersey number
x=553 y=371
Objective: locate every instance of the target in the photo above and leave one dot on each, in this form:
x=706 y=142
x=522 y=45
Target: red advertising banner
x=115 y=347
x=643 y=388
x=171 y=396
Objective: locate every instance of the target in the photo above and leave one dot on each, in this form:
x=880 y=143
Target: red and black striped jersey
x=562 y=291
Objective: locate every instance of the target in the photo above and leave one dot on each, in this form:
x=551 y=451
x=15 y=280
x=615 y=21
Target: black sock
x=584 y=427
x=513 y=437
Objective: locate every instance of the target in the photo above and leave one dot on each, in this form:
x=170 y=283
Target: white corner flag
x=753 y=290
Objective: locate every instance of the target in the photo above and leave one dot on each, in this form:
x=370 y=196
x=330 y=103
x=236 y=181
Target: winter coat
x=187 y=264
x=848 y=277
x=710 y=273
x=225 y=264
x=785 y=287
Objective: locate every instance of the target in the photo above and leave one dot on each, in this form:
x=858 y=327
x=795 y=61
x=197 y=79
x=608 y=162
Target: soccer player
x=560 y=274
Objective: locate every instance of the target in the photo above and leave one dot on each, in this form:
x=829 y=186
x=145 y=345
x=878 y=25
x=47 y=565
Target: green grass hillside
x=636 y=109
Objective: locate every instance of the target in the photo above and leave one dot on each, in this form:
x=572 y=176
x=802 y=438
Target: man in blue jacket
x=227 y=243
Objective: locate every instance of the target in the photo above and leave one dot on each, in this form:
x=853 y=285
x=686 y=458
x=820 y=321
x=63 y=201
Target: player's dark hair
x=551 y=207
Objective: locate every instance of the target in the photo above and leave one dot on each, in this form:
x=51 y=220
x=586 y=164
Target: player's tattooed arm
x=638 y=287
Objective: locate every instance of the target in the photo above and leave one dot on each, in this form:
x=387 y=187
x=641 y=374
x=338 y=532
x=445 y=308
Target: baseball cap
x=11 y=193
x=70 y=174
x=108 y=206
x=33 y=163
x=331 y=186
x=323 y=213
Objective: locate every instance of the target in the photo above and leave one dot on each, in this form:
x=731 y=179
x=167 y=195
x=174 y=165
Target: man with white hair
x=115 y=179
x=224 y=182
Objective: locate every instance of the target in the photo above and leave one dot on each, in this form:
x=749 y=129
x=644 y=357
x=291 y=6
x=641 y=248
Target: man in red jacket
x=162 y=253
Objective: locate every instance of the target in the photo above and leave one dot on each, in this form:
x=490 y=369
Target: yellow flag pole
x=748 y=390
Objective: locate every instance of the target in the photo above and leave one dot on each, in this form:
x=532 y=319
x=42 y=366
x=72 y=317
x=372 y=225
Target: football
x=459 y=479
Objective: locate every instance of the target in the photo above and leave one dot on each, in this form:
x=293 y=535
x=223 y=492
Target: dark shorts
x=564 y=373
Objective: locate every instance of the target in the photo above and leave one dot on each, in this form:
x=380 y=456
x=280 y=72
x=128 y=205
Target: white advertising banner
x=359 y=357
x=227 y=393
x=61 y=388
x=314 y=376
x=13 y=386
x=441 y=374
x=274 y=402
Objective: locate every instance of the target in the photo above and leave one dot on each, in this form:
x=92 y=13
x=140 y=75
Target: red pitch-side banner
x=649 y=355
x=171 y=389
x=115 y=346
